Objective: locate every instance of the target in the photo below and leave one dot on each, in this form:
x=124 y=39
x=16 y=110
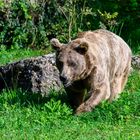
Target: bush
x=32 y=23
x=21 y=26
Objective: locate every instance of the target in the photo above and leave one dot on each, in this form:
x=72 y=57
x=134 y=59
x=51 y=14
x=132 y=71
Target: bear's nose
x=63 y=79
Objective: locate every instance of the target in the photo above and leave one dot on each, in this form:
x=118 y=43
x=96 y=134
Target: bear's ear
x=82 y=48
x=55 y=43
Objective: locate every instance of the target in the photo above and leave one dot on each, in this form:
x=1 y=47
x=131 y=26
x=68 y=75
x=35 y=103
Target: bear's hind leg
x=115 y=88
x=118 y=84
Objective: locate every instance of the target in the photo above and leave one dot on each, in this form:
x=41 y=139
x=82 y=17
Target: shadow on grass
x=25 y=98
x=127 y=107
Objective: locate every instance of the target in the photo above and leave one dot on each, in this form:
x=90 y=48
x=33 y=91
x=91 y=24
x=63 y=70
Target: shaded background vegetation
x=32 y=23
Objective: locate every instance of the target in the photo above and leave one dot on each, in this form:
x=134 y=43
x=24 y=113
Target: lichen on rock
x=37 y=75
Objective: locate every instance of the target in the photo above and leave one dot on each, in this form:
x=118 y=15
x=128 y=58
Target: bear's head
x=72 y=60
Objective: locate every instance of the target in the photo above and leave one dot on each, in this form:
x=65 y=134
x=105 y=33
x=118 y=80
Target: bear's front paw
x=83 y=108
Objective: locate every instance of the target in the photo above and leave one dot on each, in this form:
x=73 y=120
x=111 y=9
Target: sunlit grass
x=28 y=116
x=12 y=55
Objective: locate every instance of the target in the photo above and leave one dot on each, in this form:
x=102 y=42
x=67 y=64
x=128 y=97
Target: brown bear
x=93 y=67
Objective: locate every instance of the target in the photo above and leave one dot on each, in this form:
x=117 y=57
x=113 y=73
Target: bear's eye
x=72 y=64
x=60 y=65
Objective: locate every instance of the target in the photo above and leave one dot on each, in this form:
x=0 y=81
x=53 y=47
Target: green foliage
x=108 y=19
x=21 y=26
x=32 y=23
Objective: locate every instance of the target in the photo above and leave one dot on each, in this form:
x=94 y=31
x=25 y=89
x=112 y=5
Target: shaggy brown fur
x=93 y=67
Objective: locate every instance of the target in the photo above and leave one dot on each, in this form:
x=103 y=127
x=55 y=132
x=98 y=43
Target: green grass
x=12 y=55
x=27 y=116
x=136 y=50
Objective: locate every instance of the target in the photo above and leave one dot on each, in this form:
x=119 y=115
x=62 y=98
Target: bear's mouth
x=67 y=83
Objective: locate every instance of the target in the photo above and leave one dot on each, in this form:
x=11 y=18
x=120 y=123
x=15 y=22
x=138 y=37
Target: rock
x=37 y=75
x=136 y=62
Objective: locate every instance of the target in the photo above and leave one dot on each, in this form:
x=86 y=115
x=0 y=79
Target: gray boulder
x=37 y=75
x=136 y=62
